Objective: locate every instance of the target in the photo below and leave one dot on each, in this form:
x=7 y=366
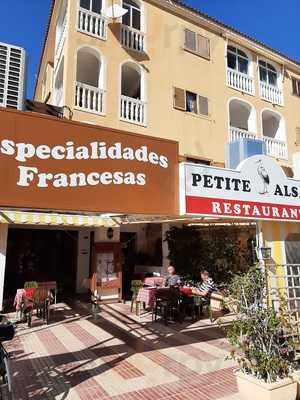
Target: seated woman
x=172 y=278
x=206 y=288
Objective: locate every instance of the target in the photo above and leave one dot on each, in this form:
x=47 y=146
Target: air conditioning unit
x=240 y=149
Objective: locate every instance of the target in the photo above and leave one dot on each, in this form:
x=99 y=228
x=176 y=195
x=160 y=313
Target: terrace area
x=115 y=354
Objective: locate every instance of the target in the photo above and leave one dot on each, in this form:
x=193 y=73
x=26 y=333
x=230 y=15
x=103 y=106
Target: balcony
x=132 y=39
x=89 y=98
x=271 y=93
x=236 y=134
x=276 y=148
x=91 y=23
x=133 y=110
x=240 y=81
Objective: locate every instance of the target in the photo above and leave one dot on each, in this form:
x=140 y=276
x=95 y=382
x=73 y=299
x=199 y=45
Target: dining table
x=147 y=294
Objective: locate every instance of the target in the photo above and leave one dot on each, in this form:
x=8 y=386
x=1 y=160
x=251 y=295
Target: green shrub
x=261 y=335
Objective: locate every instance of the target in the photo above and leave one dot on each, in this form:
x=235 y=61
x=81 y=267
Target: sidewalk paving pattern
x=115 y=355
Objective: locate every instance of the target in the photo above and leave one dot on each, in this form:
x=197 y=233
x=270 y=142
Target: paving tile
x=115 y=355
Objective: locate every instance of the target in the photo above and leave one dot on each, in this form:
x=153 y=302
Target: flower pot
x=251 y=388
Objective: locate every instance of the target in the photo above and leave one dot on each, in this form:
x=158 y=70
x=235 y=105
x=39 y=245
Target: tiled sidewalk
x=116 y=355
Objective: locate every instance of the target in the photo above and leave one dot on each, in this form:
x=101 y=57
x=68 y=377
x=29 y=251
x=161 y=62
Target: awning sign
x=52 y=164
x=258 y=189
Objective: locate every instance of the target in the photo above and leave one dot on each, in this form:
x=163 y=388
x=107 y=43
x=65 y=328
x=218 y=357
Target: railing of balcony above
x=271 y=93
x=237 y=133
x=240 y=81
x=133 y=110
x=89 y=98
x=91 y=23
x=132 y=39
x=276 y=148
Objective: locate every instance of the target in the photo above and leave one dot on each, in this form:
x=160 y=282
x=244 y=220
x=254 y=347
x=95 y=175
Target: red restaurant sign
x=258 y=189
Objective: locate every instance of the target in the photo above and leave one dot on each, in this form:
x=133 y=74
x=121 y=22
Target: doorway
x=41 y=255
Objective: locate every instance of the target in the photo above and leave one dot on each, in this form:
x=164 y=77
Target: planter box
x=251 y=388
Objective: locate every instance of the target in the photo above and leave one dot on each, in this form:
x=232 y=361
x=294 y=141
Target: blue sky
x=23 y=23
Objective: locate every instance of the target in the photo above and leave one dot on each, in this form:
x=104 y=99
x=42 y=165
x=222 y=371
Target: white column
x=3 y=246
x=83 y=259
x=165 y=248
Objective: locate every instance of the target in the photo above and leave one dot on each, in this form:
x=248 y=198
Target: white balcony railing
x=91 y=23
x=89 y=98
x=240 y=81
x=276 y=148
x=237 y=133
x=271 y=93
x=132 y=38
x=133 y=110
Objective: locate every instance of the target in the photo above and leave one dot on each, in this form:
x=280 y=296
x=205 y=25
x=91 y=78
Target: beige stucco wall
x=166 y=64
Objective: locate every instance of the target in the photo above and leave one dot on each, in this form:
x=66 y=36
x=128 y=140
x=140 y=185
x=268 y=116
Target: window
x=197 y=44
x=92 y=5
x=190 y=102
x=237 y=60
x=267 y=73
x=133 y=16
x=296 y=86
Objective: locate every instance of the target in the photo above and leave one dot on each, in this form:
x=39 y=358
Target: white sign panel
x=258 y=189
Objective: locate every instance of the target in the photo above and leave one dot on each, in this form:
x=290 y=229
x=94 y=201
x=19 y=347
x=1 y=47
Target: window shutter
x=298 y=136
x=203 y=105
x=179 y=99
x=203 y=46
x=190 y=40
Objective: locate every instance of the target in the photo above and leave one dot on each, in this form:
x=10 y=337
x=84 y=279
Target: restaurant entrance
x=41 y=255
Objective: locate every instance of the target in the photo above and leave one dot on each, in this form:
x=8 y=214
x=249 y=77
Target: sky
x=274 y=22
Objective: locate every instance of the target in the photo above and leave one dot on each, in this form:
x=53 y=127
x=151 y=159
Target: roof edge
x=44 y=45
x=177 y=5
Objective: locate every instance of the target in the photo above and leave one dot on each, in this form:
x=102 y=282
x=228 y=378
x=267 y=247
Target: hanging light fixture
x=266 y=253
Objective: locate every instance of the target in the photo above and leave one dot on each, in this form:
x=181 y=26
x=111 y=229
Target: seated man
x=172 y=279
x=206 y=288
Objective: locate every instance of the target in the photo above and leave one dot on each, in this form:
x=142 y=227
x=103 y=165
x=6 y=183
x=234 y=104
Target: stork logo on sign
x=264 y=176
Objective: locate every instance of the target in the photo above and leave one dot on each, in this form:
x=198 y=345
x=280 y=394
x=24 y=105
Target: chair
x=40 y=301
x=197 y=305
x=136 y=285
x=167 y=304
x=30 y=285
x=215 y=302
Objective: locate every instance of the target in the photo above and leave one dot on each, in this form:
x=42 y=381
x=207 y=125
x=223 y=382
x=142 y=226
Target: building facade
x=12 y=76
x=166 y=70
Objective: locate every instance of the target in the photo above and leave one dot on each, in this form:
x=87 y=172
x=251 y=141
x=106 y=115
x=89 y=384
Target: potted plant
x=261 y=336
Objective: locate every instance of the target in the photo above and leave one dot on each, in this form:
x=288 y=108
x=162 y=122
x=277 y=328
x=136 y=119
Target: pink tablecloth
x=154 y=280
x=146 y=296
